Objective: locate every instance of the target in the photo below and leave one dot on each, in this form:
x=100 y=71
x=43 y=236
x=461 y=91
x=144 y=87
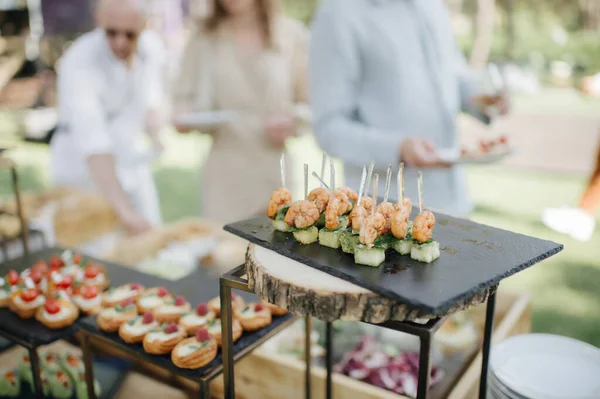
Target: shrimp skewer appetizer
x=320 y=195
x=373 y=226
x=349 y=238
x=401 y=228
x=302 y=216
x=280 y=202
x=386 y=208
x=424 y=249
x=335 y=220
x=363 y=205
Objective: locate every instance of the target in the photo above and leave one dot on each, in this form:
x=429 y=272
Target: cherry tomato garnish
x=12 y=277
x=89 y=291
x=29 y=295
x=52 y=306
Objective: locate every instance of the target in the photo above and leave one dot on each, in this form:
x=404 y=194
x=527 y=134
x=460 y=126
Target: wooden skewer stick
x=305 y=181
x=400 y=184
x=323 y=184
x=369 y=175
x=375 y=185
x=323 y=162
x=388 y=181
x=332 y=177
x=282 y=169
x=361 y=189
x=420 y=187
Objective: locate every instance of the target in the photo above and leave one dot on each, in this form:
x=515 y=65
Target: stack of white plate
x=544 y=366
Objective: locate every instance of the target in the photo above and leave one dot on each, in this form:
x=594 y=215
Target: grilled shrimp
x=371 y=228
x=352 y=195
x=345 y=204
x=279 y=198
x=302 y=214
x=367 y=203
x=320 y=196
x=423 y=226
x=386 y=209
x=357 y=217
x=399 y=223
x=406 y=206
x=333 y=212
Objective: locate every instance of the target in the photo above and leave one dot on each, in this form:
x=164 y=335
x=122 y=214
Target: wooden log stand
x=304 y=290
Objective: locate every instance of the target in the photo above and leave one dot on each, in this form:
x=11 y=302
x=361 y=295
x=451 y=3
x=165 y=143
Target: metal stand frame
x=31 y=347
x=233 y=280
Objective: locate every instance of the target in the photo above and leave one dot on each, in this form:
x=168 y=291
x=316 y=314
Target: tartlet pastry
x=197 y=319
x=237 y=302
x=93 y=274
x=25 y=302
x=110 y=319
x=88 y=298
x=253 y=317
x=57 y=313
x=117 y=295
x=274 y=309
x=195 y=352
x=214 y=329
x=136 y=329
x=152 y=299
x=172 y=310
x=162 y=340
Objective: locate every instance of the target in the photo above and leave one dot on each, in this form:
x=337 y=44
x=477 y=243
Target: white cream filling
x=99 y=279
x=151 y=301
x=87 y=303
x=64 y=312
x=71 y=270
x=119 y=295
x=139 y=328
x=36 y=303
x=159 y=336
x=167 y=309
x=108 y=312
x=194 y=319
x=248 y=314
x=188 y=349
x=3 y=293
x=215 y=328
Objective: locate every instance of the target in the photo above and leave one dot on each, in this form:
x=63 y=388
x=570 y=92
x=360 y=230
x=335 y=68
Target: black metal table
x=474 y=259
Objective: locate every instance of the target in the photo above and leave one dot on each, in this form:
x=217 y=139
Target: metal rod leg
x=227 y=341
x=328 y=359
x=307 y=355
x=35 y=369
x=424 y=366
x=487 y=341
x=205 y=390
x=89 y=367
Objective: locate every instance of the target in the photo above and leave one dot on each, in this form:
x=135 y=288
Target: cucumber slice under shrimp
x=307 y=236
x=349 y=241
x=369 y=256
x=329 y=238
x=403 y=247
x=278 y=223
x=426 y=252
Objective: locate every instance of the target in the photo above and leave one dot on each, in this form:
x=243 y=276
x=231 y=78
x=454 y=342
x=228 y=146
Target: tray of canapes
x=42 y=302
x=170 y=331
x=428 y=261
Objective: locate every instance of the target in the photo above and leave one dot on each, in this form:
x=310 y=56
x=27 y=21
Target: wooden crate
x=274 y=376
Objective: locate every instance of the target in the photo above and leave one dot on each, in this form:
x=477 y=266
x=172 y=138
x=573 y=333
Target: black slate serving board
x=247 y=339
x=473 y=257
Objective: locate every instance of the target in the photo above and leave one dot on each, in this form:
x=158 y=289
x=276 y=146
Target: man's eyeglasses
x=129 y=34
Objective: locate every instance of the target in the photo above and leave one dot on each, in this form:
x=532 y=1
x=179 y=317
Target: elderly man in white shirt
x=109 y=93
x=386 y=84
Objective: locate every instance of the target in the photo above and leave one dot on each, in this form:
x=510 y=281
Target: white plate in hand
x=453 y=156
x=205 y=119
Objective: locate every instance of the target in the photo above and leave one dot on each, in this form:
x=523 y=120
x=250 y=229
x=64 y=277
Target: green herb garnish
x=281 y=213
x=247 y=308
x=384 y=241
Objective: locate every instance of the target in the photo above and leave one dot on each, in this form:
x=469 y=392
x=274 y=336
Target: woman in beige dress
x=249 y=59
